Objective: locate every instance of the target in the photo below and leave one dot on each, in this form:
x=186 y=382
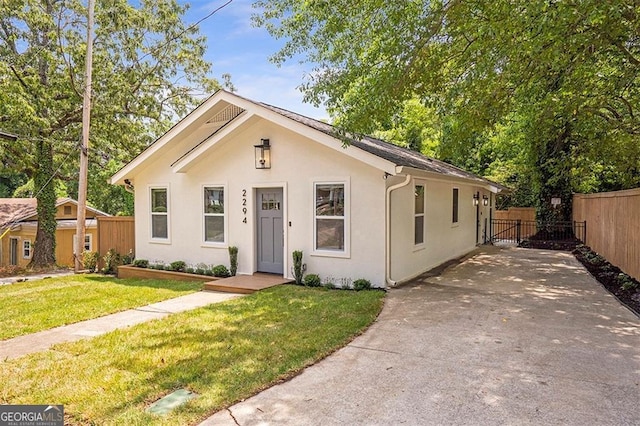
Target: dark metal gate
x=516 y=231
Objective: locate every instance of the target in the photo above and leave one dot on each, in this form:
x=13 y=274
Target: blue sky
x=238 y=48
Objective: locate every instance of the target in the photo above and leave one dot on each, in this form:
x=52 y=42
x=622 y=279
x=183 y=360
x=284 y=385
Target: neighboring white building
x=371 y=210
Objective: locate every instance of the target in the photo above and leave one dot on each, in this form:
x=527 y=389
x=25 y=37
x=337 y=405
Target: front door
x=13 y=251
x=270 y=230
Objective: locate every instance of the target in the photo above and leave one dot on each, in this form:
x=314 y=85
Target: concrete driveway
x=509 y=336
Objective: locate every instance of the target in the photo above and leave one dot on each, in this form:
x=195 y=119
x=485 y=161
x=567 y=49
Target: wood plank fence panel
x=613 y=226
x=515 y=213
x=116 y=232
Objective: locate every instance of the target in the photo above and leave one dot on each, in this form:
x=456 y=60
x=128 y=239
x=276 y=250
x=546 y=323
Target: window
x=88 y=242
x=67 y=210
x=455 y=206
x=214 y=214
x=418 y=215
x=26 y=249
x=330 y=216
x=159 y=213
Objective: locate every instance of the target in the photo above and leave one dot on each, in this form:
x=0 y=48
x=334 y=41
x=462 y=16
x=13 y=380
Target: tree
x=560 y=69
x=148 y=70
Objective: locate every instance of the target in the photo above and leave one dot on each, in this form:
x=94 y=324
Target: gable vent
x=226 y=115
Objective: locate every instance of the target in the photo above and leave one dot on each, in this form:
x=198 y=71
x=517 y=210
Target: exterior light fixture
x=476 y=199
x=263 y=154
x=485 y=200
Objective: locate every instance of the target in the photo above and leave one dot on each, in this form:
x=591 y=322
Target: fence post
x=518 y=231
x=585 y=232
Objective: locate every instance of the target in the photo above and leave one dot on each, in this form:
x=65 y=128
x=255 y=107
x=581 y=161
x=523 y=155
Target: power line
x=189 y=28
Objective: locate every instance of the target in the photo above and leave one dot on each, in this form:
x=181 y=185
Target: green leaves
x=560 y=77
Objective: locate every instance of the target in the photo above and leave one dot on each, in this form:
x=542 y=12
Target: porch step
x=246 y=284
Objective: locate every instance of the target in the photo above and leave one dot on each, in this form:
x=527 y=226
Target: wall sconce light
x=476 y=199
x=485 y=200
x=263 y=154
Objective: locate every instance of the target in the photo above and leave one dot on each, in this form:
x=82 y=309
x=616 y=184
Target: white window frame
x=346 y=252
x=224 y=215
x=456 y=206
x=423 y=214
x=153 y=239
x=88 y=242
x=26 y=246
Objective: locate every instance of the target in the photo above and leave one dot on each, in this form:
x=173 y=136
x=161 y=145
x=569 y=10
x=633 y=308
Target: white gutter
x=388 y=279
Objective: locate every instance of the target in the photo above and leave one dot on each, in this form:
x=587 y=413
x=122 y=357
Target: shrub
x=158 y=266
x=199 y=271
x=298 y=266
x=233 y=260
x=189 y=270
x=141 y=263
x=312 y=280
x=361 y=284
x=178 y=266
x=329 y=285
x=111 y=261
x=626 y=282
x=208 y=272
x=90 y=260
x=220 y=271
x=128 y=258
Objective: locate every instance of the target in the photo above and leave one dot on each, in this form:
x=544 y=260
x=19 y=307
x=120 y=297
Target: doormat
x=173 y=400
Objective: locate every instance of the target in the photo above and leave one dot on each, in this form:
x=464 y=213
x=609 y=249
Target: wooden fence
x=516 y=213
x=613 y=226
x=116 y=232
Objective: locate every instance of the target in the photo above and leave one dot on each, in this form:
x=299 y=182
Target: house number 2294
x=244 y=205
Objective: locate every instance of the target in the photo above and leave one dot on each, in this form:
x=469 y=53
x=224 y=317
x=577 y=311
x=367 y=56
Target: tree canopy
x=549 y=86
x=148 y=70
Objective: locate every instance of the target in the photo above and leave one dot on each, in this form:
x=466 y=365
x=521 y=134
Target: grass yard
x=32 y=306
x=224 y=352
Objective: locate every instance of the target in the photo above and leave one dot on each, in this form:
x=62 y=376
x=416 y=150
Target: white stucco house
x=235 y=172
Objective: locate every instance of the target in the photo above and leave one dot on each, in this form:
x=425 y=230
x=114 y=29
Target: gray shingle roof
x=396 y=154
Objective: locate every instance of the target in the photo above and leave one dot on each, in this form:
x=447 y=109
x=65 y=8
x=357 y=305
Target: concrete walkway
x=508 y=337
x=23 y=345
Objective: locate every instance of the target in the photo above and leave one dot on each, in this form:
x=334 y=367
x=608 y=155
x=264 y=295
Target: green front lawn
x=32 y=306
x=224 y=352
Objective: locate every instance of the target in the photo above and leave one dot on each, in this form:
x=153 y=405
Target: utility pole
x=84 y=147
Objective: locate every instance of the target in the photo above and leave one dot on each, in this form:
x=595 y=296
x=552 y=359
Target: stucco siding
x=443 y=239
x=297 y=162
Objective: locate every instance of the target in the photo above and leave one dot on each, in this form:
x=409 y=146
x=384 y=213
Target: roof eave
x=483 y=183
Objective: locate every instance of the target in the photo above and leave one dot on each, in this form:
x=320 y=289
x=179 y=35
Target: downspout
x=388 y=280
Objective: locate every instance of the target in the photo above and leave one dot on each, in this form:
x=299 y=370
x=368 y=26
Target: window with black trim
x=454 y=218
x=418 y=215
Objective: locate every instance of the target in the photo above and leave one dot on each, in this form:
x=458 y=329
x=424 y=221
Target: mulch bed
x=621 y=285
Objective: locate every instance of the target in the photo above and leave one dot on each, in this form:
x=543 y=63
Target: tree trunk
x=44 y=253
x=554 y=177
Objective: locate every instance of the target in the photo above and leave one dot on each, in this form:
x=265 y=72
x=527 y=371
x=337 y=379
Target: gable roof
x=374 y=151
x=15 y=210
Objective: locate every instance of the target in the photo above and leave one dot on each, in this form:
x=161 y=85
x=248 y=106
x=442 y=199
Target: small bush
x=208 y=272
x=200 y=271
x=361 y=284
x=90 y=260
x=111 y=262
x=128 y=258
x=158 y=266
x=189 y=270
x=220 y=271
x=312 y=280
x=233 y=260
x=329 y=285
x=626 y=282
x=298 y=266
x=141 y=263
x=178 y=266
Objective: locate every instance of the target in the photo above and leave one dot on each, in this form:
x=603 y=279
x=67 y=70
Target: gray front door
x=270 y=230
